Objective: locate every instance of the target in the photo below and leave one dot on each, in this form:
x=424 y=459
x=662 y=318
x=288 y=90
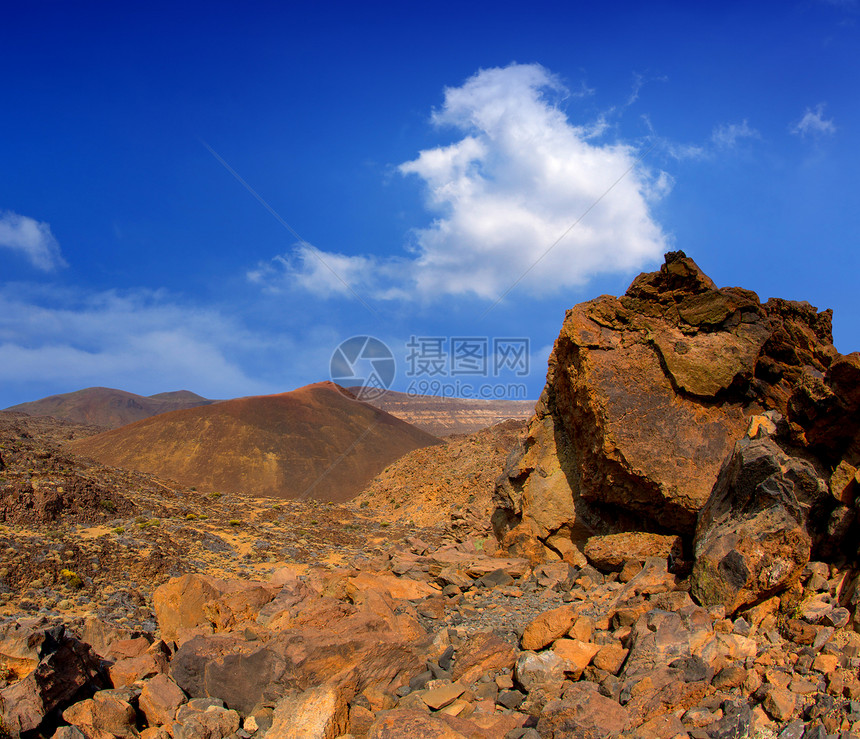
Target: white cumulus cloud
x=31 y=238
x=814 y=123
x=519 y=176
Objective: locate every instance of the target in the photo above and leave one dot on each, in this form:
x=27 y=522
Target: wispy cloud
x=515 y=181
x=814 y=123
x=728 y=135
x=32 y=239
x=133 y=340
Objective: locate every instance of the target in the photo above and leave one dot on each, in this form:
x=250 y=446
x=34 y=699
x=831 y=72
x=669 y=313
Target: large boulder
x=646 y=395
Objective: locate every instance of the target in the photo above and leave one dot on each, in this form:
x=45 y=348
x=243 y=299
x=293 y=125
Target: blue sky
x=213 y=196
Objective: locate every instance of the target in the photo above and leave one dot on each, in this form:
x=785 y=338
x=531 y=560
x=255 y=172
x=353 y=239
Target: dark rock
x=735 y=723
x=495 y=579
x=752 y=538
x=445 y=659
x=419 y=681
x=694 y=669
x=793 y=730
x=511 y=699
x=67 y=671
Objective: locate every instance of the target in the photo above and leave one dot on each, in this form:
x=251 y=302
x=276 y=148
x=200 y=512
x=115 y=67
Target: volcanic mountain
x=316 y=441
x=446 y=416
x=104 y=406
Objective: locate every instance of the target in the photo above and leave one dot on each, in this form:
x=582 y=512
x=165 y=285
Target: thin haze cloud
x=32 y=239
x=520 y=174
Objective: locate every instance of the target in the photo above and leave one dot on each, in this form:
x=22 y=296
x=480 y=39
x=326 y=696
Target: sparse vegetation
x=235 y=522
x=215 y=496
x=119 y=530
x=108 y=505
x=72 y=579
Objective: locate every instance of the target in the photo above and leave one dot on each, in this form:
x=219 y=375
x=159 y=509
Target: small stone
x=794 y=730
x=825 y=663
x=443 y=695
x=780 y=704
x=610 y=657
x=741 y=626
x=547 y=627
x=837 y=617
x=511 y=699
x=732 y=676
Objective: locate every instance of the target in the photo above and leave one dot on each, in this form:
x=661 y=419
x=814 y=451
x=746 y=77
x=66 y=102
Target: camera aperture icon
x=363 y=362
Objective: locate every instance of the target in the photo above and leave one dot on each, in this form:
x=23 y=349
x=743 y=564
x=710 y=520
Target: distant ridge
x=316 y=442
x=446 y=416
x=104 y=406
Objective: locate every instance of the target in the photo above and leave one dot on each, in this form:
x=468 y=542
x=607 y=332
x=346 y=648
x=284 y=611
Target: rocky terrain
x=107 y=407
x=315 y=442
x=675 y=555
x=447 y=483
x=451 y=416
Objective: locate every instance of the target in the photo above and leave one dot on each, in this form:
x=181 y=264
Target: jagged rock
x=68 y=732
x=609 y=553
x=159 y=699
x=100 y=635
x=658 y=638
x=752 y=539
x=645 y=397
x=582 y=714
x=153 y=661
x=205 y=720
x=108 y=714
x=370 y=644
x=577 y=654
x=200 y=604
x=318 y=713
x=534 y=670
x=828 y=410
x=55 y=671
x=400 y=723
x=547 y=627
x=480 y=654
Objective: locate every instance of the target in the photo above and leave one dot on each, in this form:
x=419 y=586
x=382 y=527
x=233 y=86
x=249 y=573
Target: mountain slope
x=445 y=416
x=311 y=442
x=104 y=406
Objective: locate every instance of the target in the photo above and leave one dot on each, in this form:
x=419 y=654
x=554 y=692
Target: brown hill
x=312 y=442
x=104 y=406
x=451 y=483
x=446 y=416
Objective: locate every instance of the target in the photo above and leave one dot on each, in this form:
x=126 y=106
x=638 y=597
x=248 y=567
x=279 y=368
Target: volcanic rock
x=646 y=395
x=753 y=536
x=57 y=671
